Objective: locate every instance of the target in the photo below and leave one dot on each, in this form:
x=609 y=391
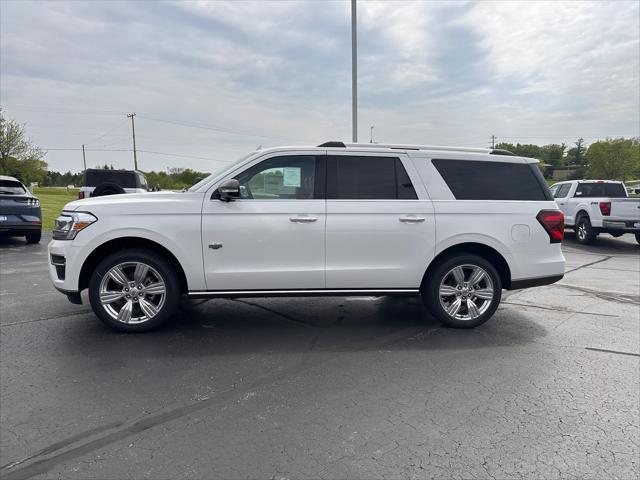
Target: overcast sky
x=271 y=73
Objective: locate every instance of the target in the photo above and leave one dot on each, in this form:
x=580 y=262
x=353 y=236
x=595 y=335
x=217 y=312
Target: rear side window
x=480 y=180
x=368 y=178
x=562 y=191
x=588 y=190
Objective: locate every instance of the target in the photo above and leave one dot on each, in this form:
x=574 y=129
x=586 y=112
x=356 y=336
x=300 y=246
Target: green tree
x=18 y=156
x=614 y=159
x=578 y=154
x=553 y=154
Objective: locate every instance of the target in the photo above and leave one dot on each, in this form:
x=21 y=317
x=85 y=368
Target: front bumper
x=65 y=261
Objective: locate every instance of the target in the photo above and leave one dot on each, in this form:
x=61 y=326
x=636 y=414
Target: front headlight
x=68 y=224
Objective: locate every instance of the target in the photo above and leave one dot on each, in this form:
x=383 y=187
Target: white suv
x=453 y=225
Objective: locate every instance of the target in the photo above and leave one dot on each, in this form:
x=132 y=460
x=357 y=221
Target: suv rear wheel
x=463 y=291
x=134 y=290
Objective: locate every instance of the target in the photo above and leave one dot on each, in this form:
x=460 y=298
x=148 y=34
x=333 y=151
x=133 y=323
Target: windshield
x=11 y=187
x=219 y=171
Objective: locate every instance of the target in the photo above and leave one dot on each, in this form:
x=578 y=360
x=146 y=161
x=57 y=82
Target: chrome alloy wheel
x=466 y=292
x=582 y=231
x=132 y=292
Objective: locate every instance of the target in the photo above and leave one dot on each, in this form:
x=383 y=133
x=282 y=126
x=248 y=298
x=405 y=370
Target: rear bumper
x=631 y=226
x=18 y=229
x=534 y=282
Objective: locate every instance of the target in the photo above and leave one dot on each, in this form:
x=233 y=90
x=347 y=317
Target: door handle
x=412 y=219
x=302 y=219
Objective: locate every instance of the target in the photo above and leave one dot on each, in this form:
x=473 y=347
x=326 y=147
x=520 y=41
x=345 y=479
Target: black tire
x=585 y=233
x=107 y=188
x=431 y=291
x=638 y=238
x=160 y=267
x=34 y=237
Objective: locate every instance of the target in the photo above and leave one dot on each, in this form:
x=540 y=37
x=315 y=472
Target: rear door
x=380 y=228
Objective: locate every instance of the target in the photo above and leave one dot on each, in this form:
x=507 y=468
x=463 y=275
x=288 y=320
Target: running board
x=303 y=293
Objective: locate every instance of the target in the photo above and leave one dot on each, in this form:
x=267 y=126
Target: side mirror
x=229 y=190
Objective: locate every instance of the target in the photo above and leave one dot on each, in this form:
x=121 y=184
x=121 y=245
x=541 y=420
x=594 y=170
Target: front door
x=272 y=237
x=380 y=223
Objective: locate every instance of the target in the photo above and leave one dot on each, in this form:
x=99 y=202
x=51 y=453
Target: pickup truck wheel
x=134 y=290
x=585 y=234
x=463 y=292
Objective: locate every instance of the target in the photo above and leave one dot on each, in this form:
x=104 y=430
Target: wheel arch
x=580 y=213
x=125 y=243
x=482 y=250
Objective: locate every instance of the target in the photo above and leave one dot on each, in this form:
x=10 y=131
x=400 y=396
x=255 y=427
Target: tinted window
x=368 y=178
x=277 y=178
x=480 y=180
x=614 y=190
x=124 y=178
x=562 y=191
x=12 y=187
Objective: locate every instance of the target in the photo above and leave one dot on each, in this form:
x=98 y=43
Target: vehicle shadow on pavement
x=605 y=244
x=277 y=326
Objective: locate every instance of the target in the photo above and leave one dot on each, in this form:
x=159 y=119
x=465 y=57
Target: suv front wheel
x=134 y=290
x=463 y=291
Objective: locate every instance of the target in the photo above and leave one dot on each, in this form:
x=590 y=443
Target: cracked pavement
x=327 y=387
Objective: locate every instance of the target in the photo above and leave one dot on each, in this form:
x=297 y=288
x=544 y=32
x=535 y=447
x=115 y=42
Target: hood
x=150 y=202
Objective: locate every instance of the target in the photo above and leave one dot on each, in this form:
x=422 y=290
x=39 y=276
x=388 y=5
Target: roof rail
x=398 y=146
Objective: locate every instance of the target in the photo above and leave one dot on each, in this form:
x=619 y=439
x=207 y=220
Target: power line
x=141 y=151
x=205 y=127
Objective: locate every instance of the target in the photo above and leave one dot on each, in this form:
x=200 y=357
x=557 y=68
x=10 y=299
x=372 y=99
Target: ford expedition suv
x=454 y=225
x=592 y=207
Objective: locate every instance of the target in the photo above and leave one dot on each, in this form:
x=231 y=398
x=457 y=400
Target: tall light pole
x=354 y=73
x=133 y=130
x=84 y=159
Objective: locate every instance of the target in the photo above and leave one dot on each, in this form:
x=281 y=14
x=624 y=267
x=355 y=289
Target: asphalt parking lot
x=326 y=387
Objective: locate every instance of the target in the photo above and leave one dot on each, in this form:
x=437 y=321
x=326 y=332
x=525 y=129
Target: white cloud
x=430 y=72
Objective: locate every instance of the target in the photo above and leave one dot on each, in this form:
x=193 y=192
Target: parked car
x=592 y=207
x=100 y=182
x=20 y=213
x=455 y=226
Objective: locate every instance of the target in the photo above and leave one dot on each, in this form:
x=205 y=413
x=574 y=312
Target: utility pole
x=354 y=73
x=493 y=141
x=133 y=129
x=84 y=159
x=371 y=140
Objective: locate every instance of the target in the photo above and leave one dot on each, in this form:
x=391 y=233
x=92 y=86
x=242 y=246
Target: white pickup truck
x=592 y=207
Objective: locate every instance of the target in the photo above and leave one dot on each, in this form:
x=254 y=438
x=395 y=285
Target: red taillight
x=605 y=208
x=553 y=223
x=80 y=195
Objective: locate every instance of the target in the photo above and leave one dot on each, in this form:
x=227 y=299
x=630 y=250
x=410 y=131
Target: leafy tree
x=578 y=154
x=18 y=156
x=614 y=159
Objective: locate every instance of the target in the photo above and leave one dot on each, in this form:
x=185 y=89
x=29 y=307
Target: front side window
x=280 y=178
x=368 y=178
